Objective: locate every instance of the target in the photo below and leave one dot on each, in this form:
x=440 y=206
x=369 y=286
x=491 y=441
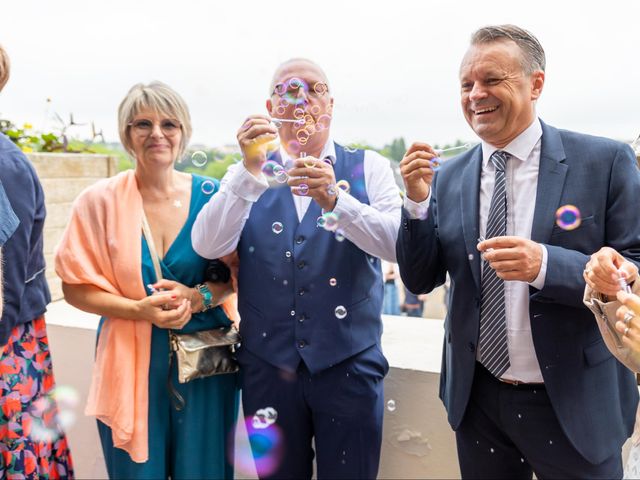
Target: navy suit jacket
x=593 y=395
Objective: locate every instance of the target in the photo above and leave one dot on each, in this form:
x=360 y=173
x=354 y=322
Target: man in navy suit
x=528 y=384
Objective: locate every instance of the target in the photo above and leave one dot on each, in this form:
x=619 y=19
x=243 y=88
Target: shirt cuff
x=347 y=208
x=247 y=186
x=417 y=210
x=538 y=283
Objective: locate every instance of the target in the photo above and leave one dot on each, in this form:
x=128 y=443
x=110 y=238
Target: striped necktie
x=494 y=351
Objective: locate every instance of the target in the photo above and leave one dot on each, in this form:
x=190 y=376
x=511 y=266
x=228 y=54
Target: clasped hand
x=318 y=176
x=604 y=269
x=169 y=307
x=513 y=258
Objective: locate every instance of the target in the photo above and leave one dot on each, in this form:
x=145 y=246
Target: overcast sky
x=393 y=65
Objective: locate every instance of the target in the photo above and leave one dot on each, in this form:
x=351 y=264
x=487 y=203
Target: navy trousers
x=511 y=431
x=340 y=408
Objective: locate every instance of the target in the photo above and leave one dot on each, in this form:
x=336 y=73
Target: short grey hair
x=533 y=57
x=274 y=79
x=160 y=98
x=5 y=67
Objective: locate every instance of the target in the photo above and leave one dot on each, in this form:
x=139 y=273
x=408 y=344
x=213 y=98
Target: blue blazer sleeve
x=8 y=219
x=418 y=250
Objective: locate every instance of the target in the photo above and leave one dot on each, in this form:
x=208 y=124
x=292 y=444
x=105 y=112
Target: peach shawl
x=101 y=246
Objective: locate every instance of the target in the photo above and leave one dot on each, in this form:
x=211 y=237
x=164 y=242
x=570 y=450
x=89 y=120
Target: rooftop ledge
x=408 y=342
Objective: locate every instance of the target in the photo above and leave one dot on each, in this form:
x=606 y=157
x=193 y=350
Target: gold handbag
x=198 y=354
x=205 y=353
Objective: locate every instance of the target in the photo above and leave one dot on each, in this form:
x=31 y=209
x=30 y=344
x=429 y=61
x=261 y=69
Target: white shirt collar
x=520 y=147
x=328 y=151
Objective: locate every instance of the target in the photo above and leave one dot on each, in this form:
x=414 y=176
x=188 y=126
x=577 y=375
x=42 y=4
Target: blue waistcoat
x=289 y=304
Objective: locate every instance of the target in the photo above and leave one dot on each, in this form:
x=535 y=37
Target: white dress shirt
x=372 y=228
x=522 y=183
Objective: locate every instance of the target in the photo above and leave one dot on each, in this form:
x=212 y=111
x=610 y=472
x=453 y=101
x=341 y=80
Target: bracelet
x=207 y=296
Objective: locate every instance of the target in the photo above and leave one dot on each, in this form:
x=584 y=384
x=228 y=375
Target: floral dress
x=32 y=443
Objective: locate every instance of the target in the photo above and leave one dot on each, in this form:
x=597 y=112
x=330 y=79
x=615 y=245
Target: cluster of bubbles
x=266 y=443
x=264 y=418
x=308 y=119
x=329 y=221
x=273 y=170
x=53 y=414
x=568 y=217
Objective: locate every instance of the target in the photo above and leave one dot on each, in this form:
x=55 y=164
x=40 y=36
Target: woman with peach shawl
x=106 y=267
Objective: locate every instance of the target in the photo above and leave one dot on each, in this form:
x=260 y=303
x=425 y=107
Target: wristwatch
x=207 y=296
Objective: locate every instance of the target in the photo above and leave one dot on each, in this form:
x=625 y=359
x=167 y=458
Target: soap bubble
x=391 y=405
x=343 y=185
x=264 y=417
x=333 y=282
x=199 y=159
x=340 y=312
x=208 y=187
x=568 y=217
x=277 y=228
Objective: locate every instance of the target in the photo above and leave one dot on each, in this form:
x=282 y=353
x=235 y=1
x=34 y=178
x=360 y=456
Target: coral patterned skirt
x=32 y=443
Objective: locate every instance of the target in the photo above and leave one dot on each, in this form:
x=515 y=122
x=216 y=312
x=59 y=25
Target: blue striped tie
x=494 y=351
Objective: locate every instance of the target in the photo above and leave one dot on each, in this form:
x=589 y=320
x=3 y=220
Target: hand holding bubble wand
x=622 y=281
x=277 y=122
x=437 y=161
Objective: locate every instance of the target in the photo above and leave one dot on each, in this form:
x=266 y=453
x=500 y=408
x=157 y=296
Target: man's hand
x=417 y=171
x=513 y=258
x=253 y=136
x=602 y=272
x=319 y=178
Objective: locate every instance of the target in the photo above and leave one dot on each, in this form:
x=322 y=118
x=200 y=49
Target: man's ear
x=537 y=83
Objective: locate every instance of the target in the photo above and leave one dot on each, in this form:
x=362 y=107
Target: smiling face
x=497 y=96
x=155 y=138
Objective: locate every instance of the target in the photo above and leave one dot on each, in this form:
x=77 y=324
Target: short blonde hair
x=5 y=67
x=160 y=98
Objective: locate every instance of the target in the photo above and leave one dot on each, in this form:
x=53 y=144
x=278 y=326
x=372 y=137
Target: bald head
x=292 y=67
x=4 y=67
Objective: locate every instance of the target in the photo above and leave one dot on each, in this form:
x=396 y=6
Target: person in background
x=413 y=305
x=32 y=443
x=391 y=303
x=106 y=267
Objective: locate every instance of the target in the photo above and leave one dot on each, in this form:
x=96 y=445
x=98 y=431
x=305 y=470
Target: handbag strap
x=176 y=399
x=146 y=231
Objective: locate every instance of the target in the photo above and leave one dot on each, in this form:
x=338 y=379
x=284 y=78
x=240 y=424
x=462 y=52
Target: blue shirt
x=26 y=293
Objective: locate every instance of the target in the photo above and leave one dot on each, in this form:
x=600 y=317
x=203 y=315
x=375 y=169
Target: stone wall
x=63 y=177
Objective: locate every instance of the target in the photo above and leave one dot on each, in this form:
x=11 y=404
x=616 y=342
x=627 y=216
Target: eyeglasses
x=143 y=127
x=291 y=89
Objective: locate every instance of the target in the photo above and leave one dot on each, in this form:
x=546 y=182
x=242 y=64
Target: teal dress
x=196 y=442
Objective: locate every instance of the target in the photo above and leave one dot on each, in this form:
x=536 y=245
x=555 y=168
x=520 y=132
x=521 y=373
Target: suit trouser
x=510 y=431
x=340 y=408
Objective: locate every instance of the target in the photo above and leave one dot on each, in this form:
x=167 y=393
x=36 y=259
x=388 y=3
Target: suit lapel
x=469 y=202
x=551 y=176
